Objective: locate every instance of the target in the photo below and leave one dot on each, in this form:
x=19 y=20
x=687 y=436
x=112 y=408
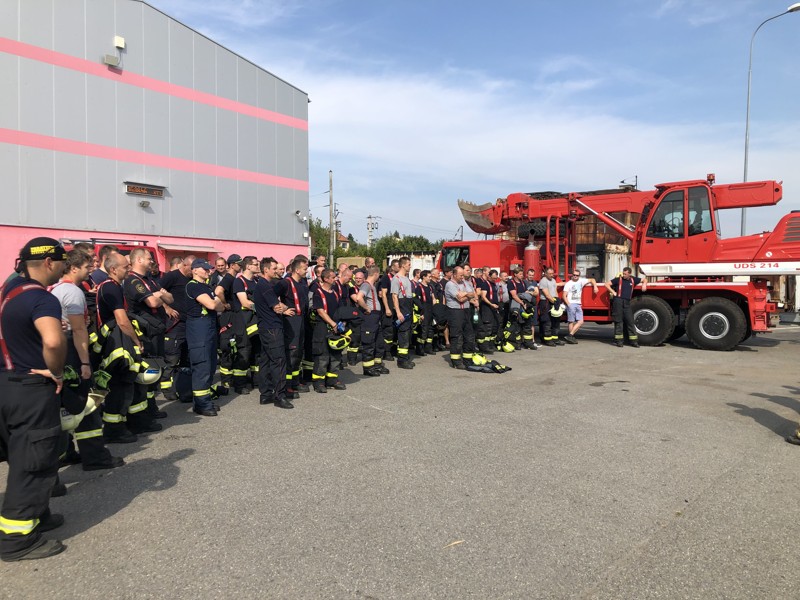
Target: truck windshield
x=455 y=256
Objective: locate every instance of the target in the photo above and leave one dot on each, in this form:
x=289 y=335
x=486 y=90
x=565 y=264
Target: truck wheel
x=653 y=318
x=535 y=228
x=677 y=334
x=716 y=324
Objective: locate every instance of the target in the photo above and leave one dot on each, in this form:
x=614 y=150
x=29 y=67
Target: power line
x=417 y=225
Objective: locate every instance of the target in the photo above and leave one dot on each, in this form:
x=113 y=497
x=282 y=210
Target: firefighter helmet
x=339 y=342
x=149 y=375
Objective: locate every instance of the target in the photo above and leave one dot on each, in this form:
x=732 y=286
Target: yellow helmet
x=478 y=359
x=508 y=347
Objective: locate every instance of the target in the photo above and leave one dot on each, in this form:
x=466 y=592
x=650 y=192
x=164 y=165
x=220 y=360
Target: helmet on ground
x=149 y=375
x=508 y=347
x=478 y=359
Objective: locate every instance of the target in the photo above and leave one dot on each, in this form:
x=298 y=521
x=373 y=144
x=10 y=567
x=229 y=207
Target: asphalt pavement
x=587 y=471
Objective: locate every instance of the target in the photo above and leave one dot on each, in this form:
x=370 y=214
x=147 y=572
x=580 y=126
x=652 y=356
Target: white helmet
x=149 y=375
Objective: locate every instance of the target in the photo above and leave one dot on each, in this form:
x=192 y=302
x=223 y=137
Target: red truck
x=673 y=236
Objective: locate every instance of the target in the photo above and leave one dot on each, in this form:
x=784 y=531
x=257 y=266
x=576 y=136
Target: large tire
x=677 y=334
x=653 y=319
x=716 y=324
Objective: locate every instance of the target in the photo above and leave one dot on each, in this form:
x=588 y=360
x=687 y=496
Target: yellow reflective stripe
x=240 y=373
x=455 y=356
x=145 y=365
x=252 y=329
x=378 y=361
x=468 y=355
x=296 y=373
x=93 y=338
x=9 y=526
x=112 y=418
x=104 y=331
x=315 y=376
x=367 y=363
x=165 y=385
x=224 y=371
x=331 y=375
x=137 y=408
x=402 y=351
x=254 y=368
x=85 y=435
x=201 y=392
x=353 y=350
x=151 y=395
x=135 y=324
x=289 y=377
x=114 y=355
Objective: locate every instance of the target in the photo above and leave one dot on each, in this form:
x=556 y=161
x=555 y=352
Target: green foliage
x=388 y=244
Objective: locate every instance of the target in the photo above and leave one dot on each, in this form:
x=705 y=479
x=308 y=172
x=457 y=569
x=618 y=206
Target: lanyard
x=500 y=292
x=3 y=301
x=421 y=289
x=373 y=294
x=324 y=300
x=294 y=293
x=402 y=289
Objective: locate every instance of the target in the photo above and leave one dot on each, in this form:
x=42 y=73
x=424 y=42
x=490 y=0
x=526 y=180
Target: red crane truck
x=673 y=234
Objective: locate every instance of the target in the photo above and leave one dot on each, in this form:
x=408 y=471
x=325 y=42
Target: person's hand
x=388 y=313
x=64 y=325
x=171 y=312
x=289 y=312
x=367 y=310
x=86 y=372
x=59 y=381
x=401 y=318
x=595 y=289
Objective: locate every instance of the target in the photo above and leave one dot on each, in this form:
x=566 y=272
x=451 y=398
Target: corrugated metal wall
x=47 y=188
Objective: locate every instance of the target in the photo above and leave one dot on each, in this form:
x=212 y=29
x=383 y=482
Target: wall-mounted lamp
x=300 y=216
x=144 y=203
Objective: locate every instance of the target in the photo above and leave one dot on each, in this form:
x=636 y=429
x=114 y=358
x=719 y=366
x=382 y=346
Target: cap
x=41 y=247
x=234 y=258
x=201 y=263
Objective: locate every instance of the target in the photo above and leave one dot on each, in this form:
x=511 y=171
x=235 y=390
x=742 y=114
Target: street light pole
x=793 y=8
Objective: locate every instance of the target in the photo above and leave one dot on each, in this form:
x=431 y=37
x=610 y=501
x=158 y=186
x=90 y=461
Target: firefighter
x=424 y=303
x=489 y=312
x=439 y=311
x=347 y=291
x=517 y=323
x=92 y=450
x=549 y=324
x=388 y=330
x=293 y=292
x=245 y=364
x=272 y=359
x=227 y=334
x=31 y=375
x=146 y=300
x=403 y=305
x=201 y=337
x=119 y=348
x=326 y=346
x=621 y=291
x=459 y=296
x=220 y=269
x=371 y=340
x=175 y=378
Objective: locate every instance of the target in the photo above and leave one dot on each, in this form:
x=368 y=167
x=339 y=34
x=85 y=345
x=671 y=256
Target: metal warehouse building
x=118 y=122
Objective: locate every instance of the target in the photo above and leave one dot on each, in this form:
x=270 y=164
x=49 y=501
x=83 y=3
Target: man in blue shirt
x=31 y=375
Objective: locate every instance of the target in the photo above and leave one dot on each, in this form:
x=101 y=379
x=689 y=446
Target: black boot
x=420 y=350
x=381 y=368
x=352 y=358
x=371 y=372
x=429 y=349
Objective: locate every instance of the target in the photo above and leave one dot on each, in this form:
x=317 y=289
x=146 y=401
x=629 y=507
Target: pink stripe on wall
x=66 y=61
x=46 y=142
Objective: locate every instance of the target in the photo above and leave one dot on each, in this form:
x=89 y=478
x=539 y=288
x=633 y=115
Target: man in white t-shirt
x=573 y=290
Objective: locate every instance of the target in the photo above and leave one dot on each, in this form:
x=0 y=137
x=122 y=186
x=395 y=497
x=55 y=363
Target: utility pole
x=372 y=225
x=332 y=221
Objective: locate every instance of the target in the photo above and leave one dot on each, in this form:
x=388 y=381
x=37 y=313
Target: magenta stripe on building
x=46 y=142
x=66 y=61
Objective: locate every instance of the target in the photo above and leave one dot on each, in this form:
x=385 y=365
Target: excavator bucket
x=483 y=218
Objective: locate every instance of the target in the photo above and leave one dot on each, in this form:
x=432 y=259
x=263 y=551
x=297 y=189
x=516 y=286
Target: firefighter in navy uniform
x=621 y=291
x=270 y=310
x=327 y=358
x=31 y=375
x=439 y=311
x=201 y=337
x=388 y=330
x=423 y=299
x=227 y=333
x=245 y=325
x=174 y=378
x=146 y=300
x=489 y=316
x=292 y=291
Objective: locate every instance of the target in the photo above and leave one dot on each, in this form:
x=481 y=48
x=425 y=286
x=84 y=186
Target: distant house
x=342 y=241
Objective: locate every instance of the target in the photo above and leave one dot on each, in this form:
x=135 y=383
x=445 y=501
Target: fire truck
x=711 y=289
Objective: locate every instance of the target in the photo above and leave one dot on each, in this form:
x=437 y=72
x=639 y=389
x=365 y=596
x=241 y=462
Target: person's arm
x=165 y=296
x=153 y=301
x=210 y=303
x=385 y=301
x=594 y=283
x=644 y=284
x=219 y=292
x=80 y=338
x=125 y=326
x=245 y=302
x=54 y=349
x=396 y=304
x=611 y=292
x=565 y=294
x=361 y=301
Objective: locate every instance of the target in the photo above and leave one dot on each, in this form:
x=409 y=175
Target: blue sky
x=415 y=104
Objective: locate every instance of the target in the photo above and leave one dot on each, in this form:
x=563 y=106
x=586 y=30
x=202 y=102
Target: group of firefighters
x=100 y=333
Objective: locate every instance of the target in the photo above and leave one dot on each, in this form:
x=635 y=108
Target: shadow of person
x=92 y=501
x=786 y=402
x=766 y=418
